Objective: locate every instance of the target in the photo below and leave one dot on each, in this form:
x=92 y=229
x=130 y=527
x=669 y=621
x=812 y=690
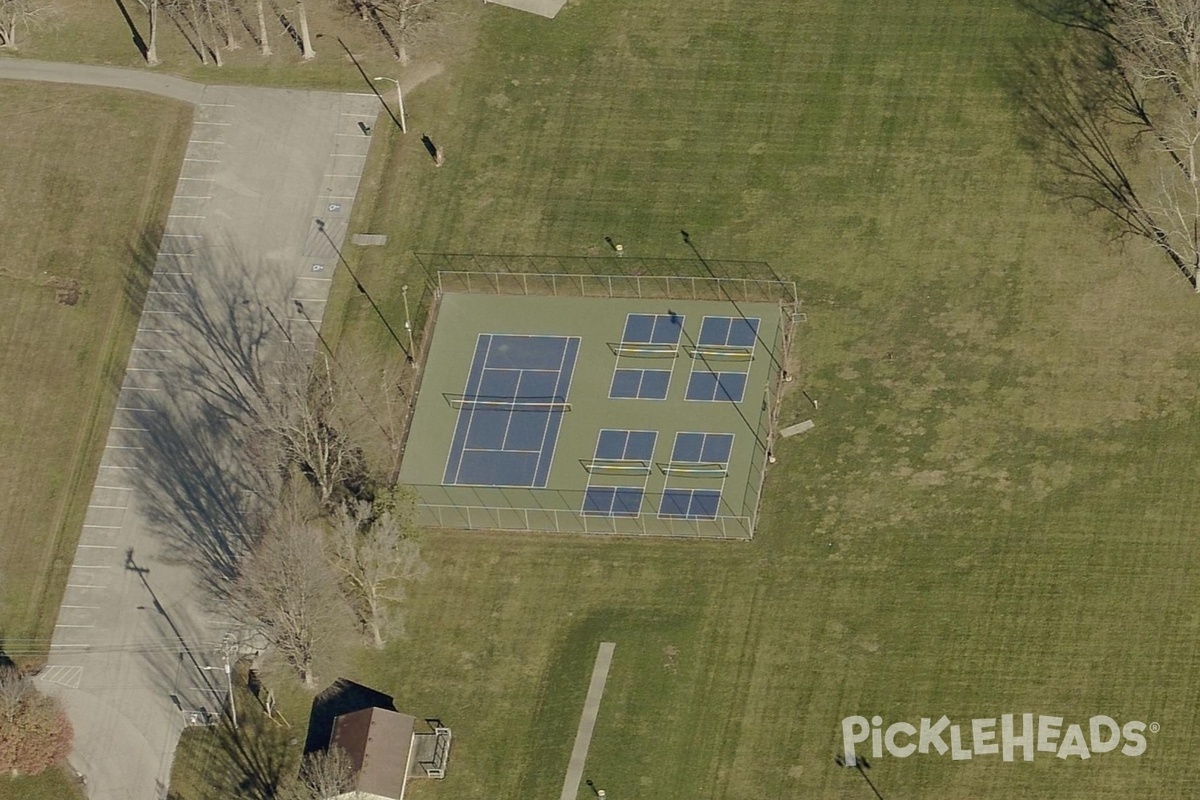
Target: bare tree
x=398 y=22
x=286 y=590
x=301 y=421
x=375 y=554
x=21 y=17
x=306 y=48
x=323 y=774
x=1117 y=109
x=263 y=44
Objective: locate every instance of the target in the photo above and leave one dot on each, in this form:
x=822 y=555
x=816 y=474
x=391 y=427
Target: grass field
x=992 y=514
x=86 y=173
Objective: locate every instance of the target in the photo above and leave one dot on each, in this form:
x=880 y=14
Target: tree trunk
x=212 y=29
x=231 y=43
x=305 y=42
x=152 y=45
x=198 y=28
x=264 y=45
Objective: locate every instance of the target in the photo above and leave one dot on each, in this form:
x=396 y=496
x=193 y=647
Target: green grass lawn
x=86 y=174
x=993 y=513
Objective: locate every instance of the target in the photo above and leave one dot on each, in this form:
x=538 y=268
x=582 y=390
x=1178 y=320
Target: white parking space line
x=204 y=160
x=117 y=447
x=93 y=608
x=97 y=547
x=306 y=278
x=60 y=625
x=108 y=527
x=203 y=141
x=186 y=216
x=148 y=350
x=122 y=488
x=85 y=586
x=202 y=122
x=189 y=197
x=132 y=408
x=122 y=508
x=188 y=235
x=348 y=155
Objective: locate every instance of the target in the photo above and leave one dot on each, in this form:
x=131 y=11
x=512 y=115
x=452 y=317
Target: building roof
x=379 y=744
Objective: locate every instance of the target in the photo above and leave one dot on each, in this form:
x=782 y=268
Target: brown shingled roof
x=379 y=744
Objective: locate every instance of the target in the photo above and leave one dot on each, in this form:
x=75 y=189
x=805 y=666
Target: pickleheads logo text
x=1005 y=737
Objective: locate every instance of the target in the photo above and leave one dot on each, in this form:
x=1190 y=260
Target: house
x=386 y=750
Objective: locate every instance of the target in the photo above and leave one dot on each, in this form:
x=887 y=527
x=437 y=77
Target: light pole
x=412 y=350
x=399 y=102
x=229 y=686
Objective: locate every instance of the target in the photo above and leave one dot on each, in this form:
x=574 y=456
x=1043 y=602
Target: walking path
x=241 y=274
x=591 y=709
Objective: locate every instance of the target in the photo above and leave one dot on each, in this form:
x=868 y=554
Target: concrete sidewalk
x=25 y=69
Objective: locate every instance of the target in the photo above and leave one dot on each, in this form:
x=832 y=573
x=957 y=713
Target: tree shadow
x=138 y=41
x=288 y=27
x=222 y=342
x=1084 y=121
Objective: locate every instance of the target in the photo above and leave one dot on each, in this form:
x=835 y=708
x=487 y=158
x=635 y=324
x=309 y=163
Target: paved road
x=240 y=278
x=138 y=80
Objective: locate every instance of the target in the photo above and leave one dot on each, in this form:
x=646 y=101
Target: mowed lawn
x=86 y=175
x=994 y=513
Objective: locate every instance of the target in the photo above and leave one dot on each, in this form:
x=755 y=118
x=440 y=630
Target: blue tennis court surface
x=633 y=449
x=511 y=410
x=655 y=334
x=703 y=450
x=713 y=378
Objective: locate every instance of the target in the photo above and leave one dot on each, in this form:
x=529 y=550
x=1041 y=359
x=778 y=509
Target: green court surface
x=560 y=459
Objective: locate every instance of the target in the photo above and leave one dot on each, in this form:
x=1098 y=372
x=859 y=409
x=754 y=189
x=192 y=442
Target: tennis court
x=595 y=414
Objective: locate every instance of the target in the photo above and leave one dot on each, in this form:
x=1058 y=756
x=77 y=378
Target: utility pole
x=228 y=649
x=412 y=350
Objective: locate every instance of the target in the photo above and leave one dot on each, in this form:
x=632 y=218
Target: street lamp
x=399 y=102
x=229 y=685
